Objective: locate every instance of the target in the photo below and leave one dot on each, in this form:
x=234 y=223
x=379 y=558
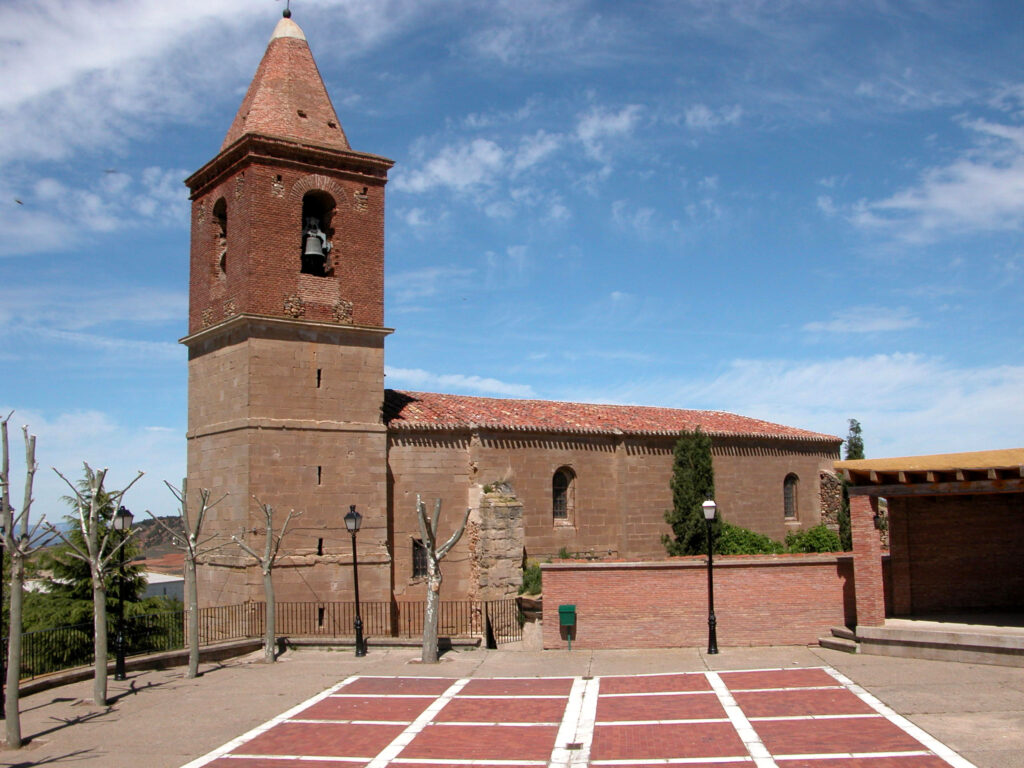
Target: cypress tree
x=693 y=481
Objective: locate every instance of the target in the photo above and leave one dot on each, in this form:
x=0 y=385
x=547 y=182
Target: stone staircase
x=842 y=639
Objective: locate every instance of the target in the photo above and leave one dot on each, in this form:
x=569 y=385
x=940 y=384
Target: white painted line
x=795 y=688
x=663 y=722
x=349 y=722
x=234 y=743
x=464 y=723
x=449 y=761
x=577 y=727
x=383 y=696
x=851 y=716
x=676 y=761
x=855 y=755
x=303 y=758
x=936 y=746
x=401 y=741
x=562 y=696
x=758 y=751
x=656 y=693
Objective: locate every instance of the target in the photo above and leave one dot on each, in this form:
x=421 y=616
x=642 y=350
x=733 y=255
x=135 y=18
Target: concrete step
x=955 y=643
x=839 y=644
x=844 y=632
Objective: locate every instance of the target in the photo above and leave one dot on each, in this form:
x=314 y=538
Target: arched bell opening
x=317 y=234
x=220 y=237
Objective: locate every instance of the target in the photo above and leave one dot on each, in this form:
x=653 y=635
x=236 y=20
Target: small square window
x=419 y=559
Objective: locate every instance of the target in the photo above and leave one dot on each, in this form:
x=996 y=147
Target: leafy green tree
x=736 y=540
x=854 y=445
x=854 y=442
x=693 y=482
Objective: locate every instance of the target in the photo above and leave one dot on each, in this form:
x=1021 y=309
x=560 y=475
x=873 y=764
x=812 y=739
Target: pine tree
x=693 y=482
x=854 y=442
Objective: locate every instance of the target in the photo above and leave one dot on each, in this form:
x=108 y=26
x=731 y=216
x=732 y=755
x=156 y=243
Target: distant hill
x=153 y=539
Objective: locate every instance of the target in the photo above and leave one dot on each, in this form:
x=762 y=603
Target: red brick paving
x=781 y=678
x=783 y=703
x=365 y=708
x=529 y=686
x=620 y=742
x=322 y=739
x=502 y=711
x=483 y=742
x=396 y=686
x=690 y=706
x=655 y=683
x=654 y=741
x=803 y=737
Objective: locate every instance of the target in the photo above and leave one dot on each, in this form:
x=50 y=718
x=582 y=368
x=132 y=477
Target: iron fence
x=51 y=650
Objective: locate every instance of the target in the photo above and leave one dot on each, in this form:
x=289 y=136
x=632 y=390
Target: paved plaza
x=793 y=707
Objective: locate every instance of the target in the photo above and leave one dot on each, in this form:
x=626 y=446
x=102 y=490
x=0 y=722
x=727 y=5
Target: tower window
x=319 y=376
x=419 y=559
x=319 y=475
x=317 y=212
x=220 y=235
x=320 y=546
x=562 y=493
x=789 y=488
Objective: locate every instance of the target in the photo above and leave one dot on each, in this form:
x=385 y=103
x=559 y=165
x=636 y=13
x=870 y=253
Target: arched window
x=317 y=233
x=220 y=236
x=789 y=487
x=562 y=494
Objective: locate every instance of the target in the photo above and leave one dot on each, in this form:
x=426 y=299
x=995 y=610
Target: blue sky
x=800 y=211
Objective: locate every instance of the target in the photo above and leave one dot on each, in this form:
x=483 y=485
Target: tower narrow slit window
x=220 y=236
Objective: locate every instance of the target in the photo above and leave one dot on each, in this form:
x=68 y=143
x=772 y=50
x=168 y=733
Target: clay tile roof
x=426 y=410
x=287 y=97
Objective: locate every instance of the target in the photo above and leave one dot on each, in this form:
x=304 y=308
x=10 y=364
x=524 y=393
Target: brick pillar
x=899 y=557
x=867 y=561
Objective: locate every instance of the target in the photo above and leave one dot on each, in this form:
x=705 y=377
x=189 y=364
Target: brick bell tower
x=286 y=339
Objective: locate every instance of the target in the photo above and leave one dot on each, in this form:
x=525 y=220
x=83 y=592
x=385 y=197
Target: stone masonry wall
x=496 y=546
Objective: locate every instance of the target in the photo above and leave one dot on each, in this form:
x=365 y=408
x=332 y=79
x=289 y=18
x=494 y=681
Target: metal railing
x=51 y=650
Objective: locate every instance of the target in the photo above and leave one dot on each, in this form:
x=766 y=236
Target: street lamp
x=352 y=521
x=3 y=645
x=122 y=523
x=710 y=508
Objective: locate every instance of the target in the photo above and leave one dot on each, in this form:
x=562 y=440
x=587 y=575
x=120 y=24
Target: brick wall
x=764 y=600
x=957 y=552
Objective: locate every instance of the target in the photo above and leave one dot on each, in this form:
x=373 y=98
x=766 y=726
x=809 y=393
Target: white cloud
x=533 y=149
x=640 y=220
x=459 y=167
x=420 y=379
x=600 y=124
x=423 y=283
x=67 y=308
x=981 y=191
x=867 y=320
x=65 y=440
x=826 y=206
x=701 y=117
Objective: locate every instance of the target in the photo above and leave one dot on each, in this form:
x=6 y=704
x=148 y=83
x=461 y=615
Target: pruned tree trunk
x=193 y=548
x=428 y=530
x=99 y=641
x=271 y=548
x=19 y=542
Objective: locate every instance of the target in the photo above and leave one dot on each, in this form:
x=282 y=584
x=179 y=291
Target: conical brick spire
x=287 y=97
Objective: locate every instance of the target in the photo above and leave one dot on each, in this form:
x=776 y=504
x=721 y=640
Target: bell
x=314 y=246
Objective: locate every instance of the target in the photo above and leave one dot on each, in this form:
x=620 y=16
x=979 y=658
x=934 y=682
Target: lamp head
x=353 y=519
x=709 y=508
x=123 y=519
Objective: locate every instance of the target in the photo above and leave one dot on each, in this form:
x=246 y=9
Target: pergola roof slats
x=977 y=472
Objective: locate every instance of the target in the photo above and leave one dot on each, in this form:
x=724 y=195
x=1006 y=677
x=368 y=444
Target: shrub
x=736 y=540
x=531 y=580
x=816 y=539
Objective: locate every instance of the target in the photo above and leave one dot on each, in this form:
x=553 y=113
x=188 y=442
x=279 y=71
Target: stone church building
x=287 y=403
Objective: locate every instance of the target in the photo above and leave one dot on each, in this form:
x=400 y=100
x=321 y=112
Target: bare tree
x=194 y=548
x=98 y=551
x=428 y=530
x=271 y=548
x=19 y=541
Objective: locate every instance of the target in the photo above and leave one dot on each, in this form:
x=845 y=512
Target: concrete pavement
x=158 y=719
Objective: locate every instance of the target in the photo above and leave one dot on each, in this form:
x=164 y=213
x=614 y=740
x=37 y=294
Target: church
x=287 y=405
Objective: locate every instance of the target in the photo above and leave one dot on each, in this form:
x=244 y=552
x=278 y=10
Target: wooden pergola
x=956 y=526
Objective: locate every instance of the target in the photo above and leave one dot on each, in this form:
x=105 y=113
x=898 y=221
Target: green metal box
x=567 y=615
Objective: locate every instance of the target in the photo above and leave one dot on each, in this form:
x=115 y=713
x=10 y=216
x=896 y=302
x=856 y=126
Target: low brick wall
x=759 y=600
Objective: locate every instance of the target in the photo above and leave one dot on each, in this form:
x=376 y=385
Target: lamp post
x=3 y=644
x=122 y=523
x=709 y=507
x=352 y=521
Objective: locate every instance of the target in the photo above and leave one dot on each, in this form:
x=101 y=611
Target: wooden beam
x=1001 y=485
